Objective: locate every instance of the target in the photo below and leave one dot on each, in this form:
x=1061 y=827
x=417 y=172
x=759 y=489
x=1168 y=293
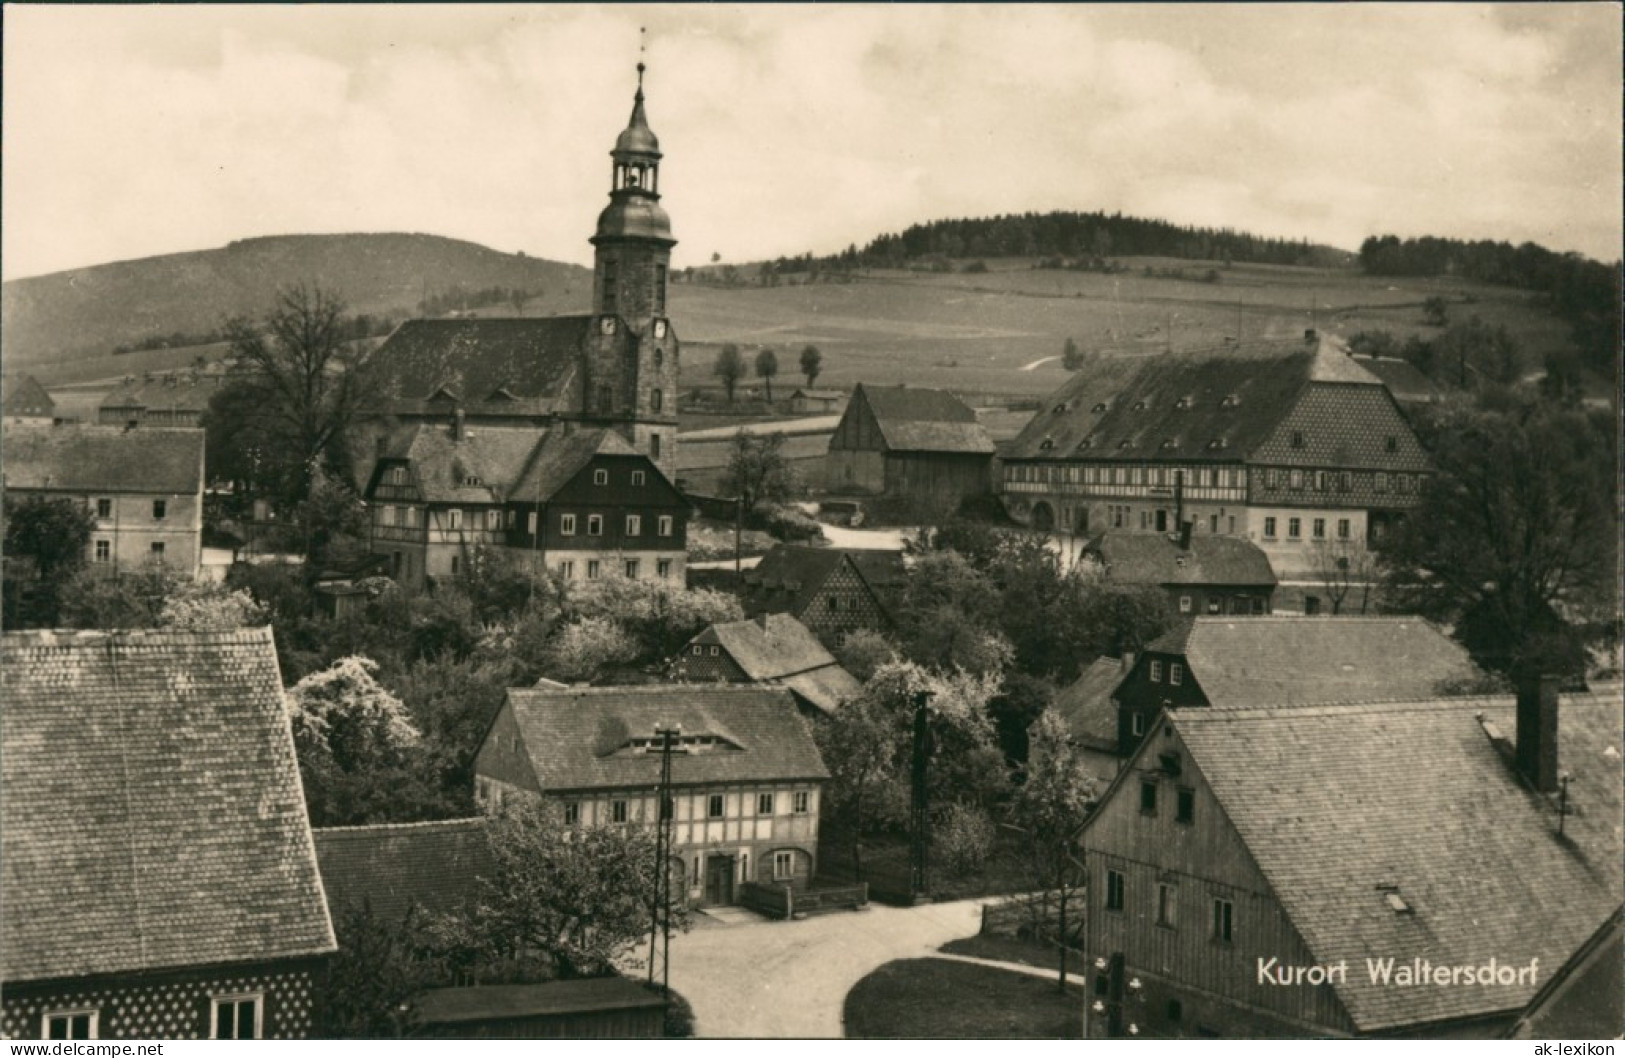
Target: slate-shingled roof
x=475 y=360
x=925 y=420
x=153 y=814
x=1215 y=405
x=779 y=647
x=1086 y=705
x=392 y=867
x=76 y=458
x=1155 y=558
x=575 y=739
x=1257 y=661
x=1335 y=802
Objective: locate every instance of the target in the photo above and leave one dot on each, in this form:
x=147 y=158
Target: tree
x=368 y=984
x=333 y=521
x=1436 y=311
x=812 y=364
x=1515 y=535
x=578 y=895
x=92 y=599
x=50 y=536
x=659 y=616
x=584 y=648
x=767 y=365
x=730 y=367
x=1343 y=565
x=861 y=747
x=201 y=606
x=758 y=471
x=300 y=386
x=1050 y=809
x=1071 y=356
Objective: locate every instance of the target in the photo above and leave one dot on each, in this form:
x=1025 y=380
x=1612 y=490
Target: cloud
x=133 y=131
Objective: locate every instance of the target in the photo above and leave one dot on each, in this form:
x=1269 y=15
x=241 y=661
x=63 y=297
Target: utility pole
x=920 y=807
x=660 y=903
x=739 y=531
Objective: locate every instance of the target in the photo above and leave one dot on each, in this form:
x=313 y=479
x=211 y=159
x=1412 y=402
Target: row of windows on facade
x=234 y=1017
x=1317 y=528
x=600 y=476
x=1207 y=477
x=715 y=807
x=1223 y=921
x=104 y=551
x=104 y=508
x=497 y=519
x=1120 y=516
x=1239 y=604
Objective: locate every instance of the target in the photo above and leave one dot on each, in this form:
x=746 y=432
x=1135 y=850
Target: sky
x=142 y=130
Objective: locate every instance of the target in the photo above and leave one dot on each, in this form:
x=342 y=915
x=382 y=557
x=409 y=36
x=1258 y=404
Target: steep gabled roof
x=153 y=813
x=78 y=458
x=1212 y=405
x=25 y=397
x=789 y=577
x=1155 y=558
x=563 y=455
x=480 y=466
x=392 y=867
x=925 y=420
x=1086 y=705
x=1404 y=381
x=1343 y=807
x=778 y=648
x=1268 y=661
x=583 y=738
x=532 y=359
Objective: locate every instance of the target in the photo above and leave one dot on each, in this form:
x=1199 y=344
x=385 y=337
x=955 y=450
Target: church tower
x=631 y=376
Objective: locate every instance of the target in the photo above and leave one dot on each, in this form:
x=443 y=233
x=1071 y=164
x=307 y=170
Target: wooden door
x=719 y=880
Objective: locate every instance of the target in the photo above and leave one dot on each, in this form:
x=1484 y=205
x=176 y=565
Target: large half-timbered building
x=1290 y=444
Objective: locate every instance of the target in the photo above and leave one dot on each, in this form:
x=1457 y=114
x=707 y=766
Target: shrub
x=963 y=840
x=786 y=523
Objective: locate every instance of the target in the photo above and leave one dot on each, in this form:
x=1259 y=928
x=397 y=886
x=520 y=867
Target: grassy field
x=998 y=334
x=939 y=999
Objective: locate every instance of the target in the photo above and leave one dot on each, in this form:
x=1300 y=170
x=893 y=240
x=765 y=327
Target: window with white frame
x=1184 y=604
x=600 y=477
x=617 y=811
x=71 y=1024
x=634 y=525
x=633 y=567
x=595 y=525
x=454 y=519
x=784 y=866
x=1269 y=528
x=714 y=806
x=572 y=813
x=1156 y=672
x=567 y=570
x=1176 y=673
x=104 y=551
x=663 y=568
x=593 y=568
x=1342 y=528
x=567 y=525
x=493 y=519
x=530 y=523
x=237 y=1017
x=799 y=802
x=1136 y=724
x=1294 y=528
x=764 y=804
x=388 y=516
x=639 y=476
x=663 y=525
x=104 y=508
x=1319 y=528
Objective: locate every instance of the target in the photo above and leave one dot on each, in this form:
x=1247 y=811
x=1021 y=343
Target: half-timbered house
x=1410 y=868
x=825 y=589
x=159 y=876
x=746 y=774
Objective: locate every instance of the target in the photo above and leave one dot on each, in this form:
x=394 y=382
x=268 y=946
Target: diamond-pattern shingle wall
x=169 y=1007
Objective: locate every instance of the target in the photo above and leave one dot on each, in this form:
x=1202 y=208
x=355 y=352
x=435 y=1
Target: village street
x=790 y=979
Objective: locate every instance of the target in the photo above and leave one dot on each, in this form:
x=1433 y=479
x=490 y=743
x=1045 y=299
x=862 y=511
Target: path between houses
x=790 y=979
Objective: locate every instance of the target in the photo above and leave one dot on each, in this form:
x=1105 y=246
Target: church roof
x=637 y=137
x=476 y=361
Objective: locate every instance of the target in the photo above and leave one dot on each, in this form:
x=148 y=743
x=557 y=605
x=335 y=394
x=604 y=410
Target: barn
x=920 y=446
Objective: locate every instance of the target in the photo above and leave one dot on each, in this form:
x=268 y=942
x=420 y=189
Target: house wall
x=708 y=663
x=131 y=528
x=1220 y=598
x=1214 y=980
x=167 y=1005
x=937 y=479
x=1141 y=698
x=749 y=836
x=850 y=470
x=843 y=604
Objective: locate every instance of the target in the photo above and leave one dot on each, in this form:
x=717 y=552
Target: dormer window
x=471 y=480
x=600 y=477
x=1098 y=408
x=1230 y=401
x=1182 y=403
x=1059 y=408
x=1216 y=444
x=1170 y=443
x=1125 y=443
x=1085 y=443
x=1046 y=444
x=1140 y=405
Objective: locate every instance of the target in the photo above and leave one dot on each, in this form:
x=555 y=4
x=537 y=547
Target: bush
x=788 y=524
x=679 y=1018
x=963 y=840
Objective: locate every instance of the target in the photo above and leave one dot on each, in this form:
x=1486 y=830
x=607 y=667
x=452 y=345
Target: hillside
x=87 y=312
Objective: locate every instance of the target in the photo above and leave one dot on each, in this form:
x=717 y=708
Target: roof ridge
x=69 y=636
x=422 y=824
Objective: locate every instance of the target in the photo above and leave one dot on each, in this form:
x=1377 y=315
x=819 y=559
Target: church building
x=615 y=367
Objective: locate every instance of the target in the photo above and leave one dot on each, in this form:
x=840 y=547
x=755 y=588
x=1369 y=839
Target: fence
x=783 y=901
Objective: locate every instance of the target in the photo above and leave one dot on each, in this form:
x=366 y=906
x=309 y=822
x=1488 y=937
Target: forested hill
x=1083 y=235
x=1584 y=292
x=182 y=299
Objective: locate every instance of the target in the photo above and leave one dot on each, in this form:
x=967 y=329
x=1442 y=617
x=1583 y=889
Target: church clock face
x=660 y=328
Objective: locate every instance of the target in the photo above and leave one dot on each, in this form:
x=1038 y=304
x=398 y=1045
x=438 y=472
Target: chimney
x=1128 y=660
x=1185 y=535
x=1537 y=731
x=457 y=424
